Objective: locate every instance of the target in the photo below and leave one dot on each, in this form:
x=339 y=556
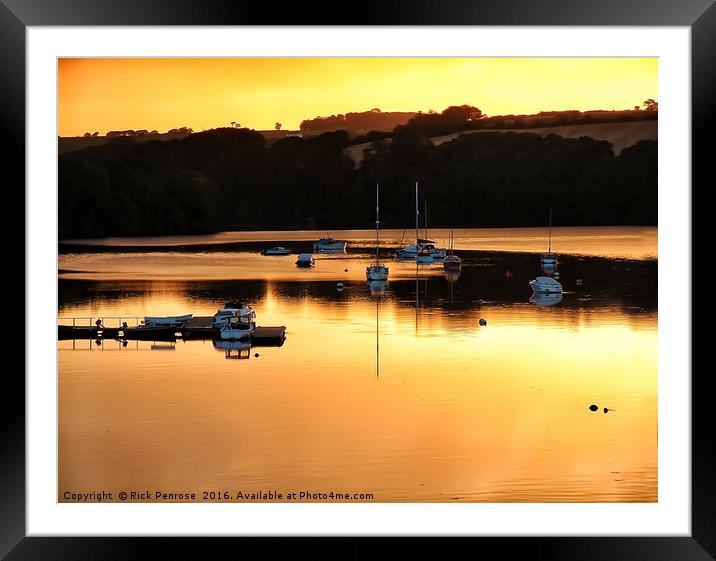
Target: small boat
x=423 y=250
x=545 y=285
x=305 y=260
x=328 y=244
x=237 y=328
x=167 y=321
x=278 y=250
x=422 y=247
x=376 y=271
x=547 y=282
x=425 y=257
x=243 y=313
x=452 y=262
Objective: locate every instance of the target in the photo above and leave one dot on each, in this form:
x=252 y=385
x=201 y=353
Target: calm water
x=396 y=392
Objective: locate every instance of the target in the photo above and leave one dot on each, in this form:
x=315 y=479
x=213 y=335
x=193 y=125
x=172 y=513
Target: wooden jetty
x=199 y=327
x=268 y=336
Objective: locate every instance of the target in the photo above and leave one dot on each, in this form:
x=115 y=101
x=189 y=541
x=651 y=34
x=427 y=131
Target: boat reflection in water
x=444 y=411
x=546 y=299
x=233 y=349
x=377 y=287
x=377 y=291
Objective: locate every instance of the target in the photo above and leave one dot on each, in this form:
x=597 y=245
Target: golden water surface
x=398 y=393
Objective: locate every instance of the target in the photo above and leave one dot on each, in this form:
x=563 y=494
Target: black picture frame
x=16 y=15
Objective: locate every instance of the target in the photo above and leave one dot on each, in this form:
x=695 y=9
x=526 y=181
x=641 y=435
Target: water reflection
x=546 y=300
x=234 y=349
x=461 y=412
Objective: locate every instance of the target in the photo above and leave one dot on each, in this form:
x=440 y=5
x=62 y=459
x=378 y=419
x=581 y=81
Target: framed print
x=426 y=273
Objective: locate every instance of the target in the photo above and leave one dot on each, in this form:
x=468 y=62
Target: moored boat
x=423 y=250
x=167 y=321
x=546 y=285
x=243 y=313
x=237 y=328
x=376 y=271
x=329 y=244
x=278 y=250
x=547 y=282
x=305 y=260
x=452 y=262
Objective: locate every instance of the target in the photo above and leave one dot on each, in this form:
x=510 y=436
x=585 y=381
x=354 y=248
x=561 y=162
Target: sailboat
x=547 y=282
x=423 y=250
x=376 y=271
x=452 y=262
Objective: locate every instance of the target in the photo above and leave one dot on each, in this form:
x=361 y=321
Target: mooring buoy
x=483 y=322
x=593 y=407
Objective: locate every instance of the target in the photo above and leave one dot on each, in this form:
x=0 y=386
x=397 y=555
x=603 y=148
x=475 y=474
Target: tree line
x=231 y=178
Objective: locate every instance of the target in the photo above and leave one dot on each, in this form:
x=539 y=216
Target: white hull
x=545 y=285
x=409 y=253
x=452 y=263
x=223 y=318
x=229 y=334
x=329 y=247
x=305 y=260
x=277 y=251
x=167 y=321
x=376 y=273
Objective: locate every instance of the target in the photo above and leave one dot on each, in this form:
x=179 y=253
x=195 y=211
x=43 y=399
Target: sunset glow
x=160 y=94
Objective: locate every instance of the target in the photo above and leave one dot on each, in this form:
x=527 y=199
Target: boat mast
x=377 y=223
x=549 y=245
x=417 y=218
x=425 y=209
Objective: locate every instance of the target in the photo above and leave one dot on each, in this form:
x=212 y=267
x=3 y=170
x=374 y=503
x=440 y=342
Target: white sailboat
x=329 y=245
x=423 y=250
x=376 y=271
x=547 y=282
x=452 y=262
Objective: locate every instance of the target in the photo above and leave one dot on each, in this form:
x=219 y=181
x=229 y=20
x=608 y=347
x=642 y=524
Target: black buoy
x=256 y=355
x=593 y=407
x=483 y=321
x=345 y=270
x=606 y=410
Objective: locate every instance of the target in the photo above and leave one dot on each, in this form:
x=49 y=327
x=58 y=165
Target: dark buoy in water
x=593 y=407
x=345 y=270
x=483 y=322
x=256 y=355
x=606 y=410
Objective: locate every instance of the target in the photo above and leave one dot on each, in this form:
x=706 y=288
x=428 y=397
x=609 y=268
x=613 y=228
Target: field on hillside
x=620 y=135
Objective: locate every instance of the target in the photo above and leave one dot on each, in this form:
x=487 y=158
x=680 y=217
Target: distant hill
x=67 y=144
x=357 y=123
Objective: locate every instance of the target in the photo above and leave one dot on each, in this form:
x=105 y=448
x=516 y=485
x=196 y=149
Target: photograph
x=357 y=280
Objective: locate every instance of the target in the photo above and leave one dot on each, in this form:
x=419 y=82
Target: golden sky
x=155 y=93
